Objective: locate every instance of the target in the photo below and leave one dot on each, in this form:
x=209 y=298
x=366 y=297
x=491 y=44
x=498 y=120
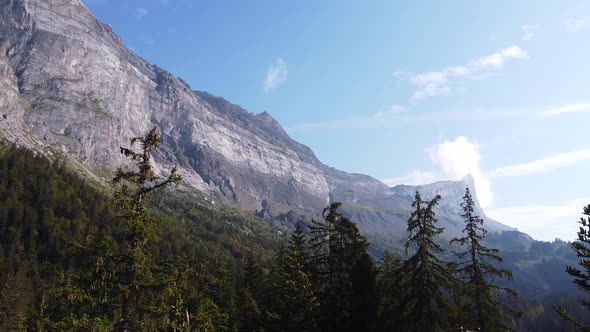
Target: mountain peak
x=469 y=181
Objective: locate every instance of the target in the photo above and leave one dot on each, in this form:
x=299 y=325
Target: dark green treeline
x=74 y=258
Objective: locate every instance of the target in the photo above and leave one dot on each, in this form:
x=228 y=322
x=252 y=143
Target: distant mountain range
x=70 y=88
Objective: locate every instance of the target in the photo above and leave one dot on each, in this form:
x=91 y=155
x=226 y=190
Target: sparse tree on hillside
x=581 y=275
x=134 y=187
x=482 y=310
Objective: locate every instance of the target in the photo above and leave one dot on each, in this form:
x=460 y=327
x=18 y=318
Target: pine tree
x=293 y=298
x=253 y=304
x=338 y=260
x=484 y=312
x=425 y=305
x=389 y=285
x=581 y=275
x=137 y=228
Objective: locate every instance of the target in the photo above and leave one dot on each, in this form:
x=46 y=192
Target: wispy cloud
x=276 y=74
x=574 y=25
x=570 y=108
x=393 y=110
x=528 y=32
x=141 y=13
x=438 y=83
x=399 y=115
x=413 y=178
x=542 y=165
x=543 y=222
x=497 y=60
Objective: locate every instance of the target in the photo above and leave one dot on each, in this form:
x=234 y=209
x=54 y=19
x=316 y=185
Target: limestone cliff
x=70 y=87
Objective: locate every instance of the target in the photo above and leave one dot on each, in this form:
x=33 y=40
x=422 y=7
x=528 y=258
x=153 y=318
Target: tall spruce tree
x=425 y=305
x=339 y=264
x=581 y=275
x=389 y=285
x=293 y=298
x=482 y=311
x=137 y=229
x=253 y=308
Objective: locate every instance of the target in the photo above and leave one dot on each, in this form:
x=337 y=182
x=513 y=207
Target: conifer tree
x=339 y=264
x=581 y=275
x=135 y=185
x=425 y=305
x=253 y=313
x=483 y=311
x=293 y=298
x=389 y=285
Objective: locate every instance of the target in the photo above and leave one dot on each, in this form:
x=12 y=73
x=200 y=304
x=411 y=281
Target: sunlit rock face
x=70 y=87
x=71 y=83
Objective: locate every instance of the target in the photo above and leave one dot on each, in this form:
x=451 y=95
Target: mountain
x=70 y=88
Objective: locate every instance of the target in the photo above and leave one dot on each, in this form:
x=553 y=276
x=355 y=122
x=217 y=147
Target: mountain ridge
x=70 y=86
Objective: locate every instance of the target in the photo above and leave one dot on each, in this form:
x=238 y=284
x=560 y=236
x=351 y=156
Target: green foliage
x=481 y=308
x=424 y=305
x=293 y=299
x=343 y=273
x=581 y=275
x=389 y=284
x=65 y=250
x=59 y=239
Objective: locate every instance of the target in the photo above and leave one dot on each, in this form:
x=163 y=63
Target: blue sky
x=407 y=92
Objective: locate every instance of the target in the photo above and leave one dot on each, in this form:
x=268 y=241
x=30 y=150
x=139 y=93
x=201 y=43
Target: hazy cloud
x=399 y=115
x=528 y=32
x=574 y=25
x=393 y=110
x=571 y=108
x=458 y=158
x=276 y=74
x=141 y=13
x=413 y=178
x=542 y=165
x=452 y=160
x=543 y=222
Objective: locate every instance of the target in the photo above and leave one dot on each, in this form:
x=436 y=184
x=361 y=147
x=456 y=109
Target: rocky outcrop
x=69 y=86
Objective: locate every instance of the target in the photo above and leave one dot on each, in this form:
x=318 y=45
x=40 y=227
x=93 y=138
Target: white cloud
x=438 y=83
x=571 y=108
x=452 y=160
x=458 y=158
x=542 y=165
x=276 y=74
x=141 y=13
x=543 y=222
x=413 y=178
x=574 y=25
x=498 y=59
x=528 y=32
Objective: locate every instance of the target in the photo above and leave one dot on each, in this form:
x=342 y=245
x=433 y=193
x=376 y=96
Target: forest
x=142 y=255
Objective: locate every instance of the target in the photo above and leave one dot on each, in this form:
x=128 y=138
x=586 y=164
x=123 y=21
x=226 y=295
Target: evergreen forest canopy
x=140 y=256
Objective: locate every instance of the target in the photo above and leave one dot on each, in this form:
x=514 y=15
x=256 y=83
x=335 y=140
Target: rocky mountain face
x=69 y=87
